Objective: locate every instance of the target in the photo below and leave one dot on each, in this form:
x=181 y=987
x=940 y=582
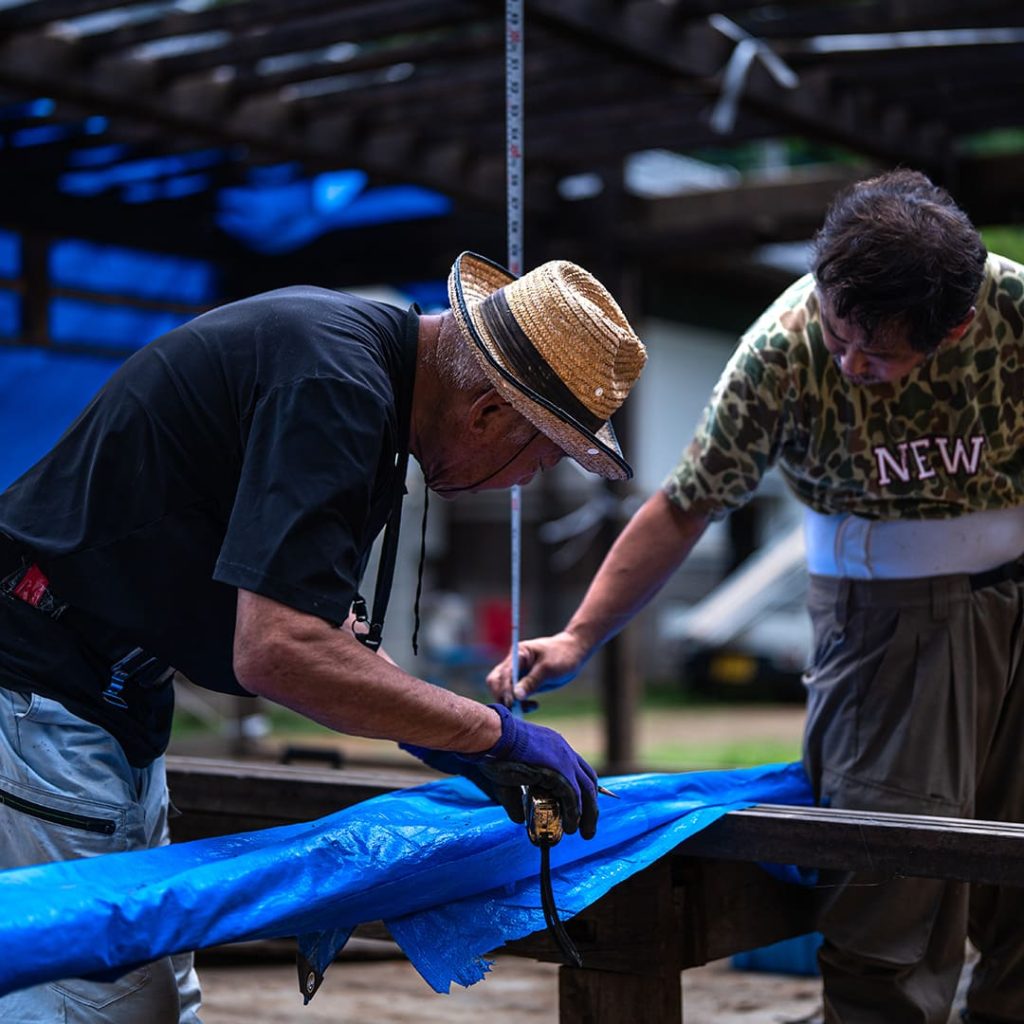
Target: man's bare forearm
x=654 y=543
x=326 y=674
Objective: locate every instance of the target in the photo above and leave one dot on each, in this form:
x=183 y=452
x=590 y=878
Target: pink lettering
x=960 y=456
x=924 y=471
x=886 y=462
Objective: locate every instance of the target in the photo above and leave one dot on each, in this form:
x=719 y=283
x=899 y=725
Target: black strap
x=570 y=954
x=372 y=635
x=373 y=625
x=419 y=573
x=529 y=365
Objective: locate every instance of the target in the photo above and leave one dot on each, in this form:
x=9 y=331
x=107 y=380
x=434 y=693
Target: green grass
x=1007 y=241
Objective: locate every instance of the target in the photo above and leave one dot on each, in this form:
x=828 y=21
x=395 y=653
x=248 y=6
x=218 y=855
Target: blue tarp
x=449 y=874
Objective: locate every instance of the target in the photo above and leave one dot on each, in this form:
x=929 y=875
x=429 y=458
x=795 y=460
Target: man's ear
x=487 y=413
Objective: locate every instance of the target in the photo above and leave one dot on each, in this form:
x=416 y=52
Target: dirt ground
x=370 y=985
x=515 y=992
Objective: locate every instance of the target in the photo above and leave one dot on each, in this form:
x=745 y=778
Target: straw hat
x=556 y=345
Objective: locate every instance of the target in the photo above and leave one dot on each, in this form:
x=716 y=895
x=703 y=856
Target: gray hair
x=458 y=366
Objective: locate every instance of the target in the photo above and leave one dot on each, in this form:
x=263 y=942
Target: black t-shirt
x=253 y=447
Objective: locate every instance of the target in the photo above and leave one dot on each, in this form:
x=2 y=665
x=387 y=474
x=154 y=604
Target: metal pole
x=514 y=200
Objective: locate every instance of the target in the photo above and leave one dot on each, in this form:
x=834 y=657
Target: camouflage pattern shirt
x=946 y=440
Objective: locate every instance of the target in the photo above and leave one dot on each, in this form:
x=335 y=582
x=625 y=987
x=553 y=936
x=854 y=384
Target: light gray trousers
x=916 y=705
x=58 y=766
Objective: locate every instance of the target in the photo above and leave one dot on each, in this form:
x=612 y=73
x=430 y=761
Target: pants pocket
x=99 y=995
x=916 y=713
x=69 y=815
x=831 y=708
x=149 y=993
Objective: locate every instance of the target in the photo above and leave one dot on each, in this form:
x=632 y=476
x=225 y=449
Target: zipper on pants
x=104 y=826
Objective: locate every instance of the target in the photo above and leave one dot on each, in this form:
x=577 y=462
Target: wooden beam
x=985 y=852
x=269 y=131
x=476 y=74
x=218 y=797
x=42 y=12
x=35 y=298
x=779 y=22
x=896 y=844
x=445 y=45
x=252 y=41
x=226 y=17
x=801 y=196
x=697 y=50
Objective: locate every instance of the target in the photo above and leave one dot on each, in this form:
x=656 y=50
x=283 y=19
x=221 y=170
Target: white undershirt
x=866 y=549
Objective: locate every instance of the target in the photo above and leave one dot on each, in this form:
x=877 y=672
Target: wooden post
x=621 y=684
x=632 y=949
x=619 y=702
x=606 y=997
x=35 y=299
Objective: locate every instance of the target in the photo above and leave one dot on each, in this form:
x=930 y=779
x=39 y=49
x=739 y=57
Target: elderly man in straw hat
x=212 y=510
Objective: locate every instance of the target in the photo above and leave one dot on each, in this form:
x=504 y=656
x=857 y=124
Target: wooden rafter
x=412 y=91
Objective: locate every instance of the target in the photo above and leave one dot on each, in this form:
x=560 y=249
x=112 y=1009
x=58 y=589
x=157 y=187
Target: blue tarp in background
x=451 y=876
x=43 y=389
x=276 y=209
x=41 y=392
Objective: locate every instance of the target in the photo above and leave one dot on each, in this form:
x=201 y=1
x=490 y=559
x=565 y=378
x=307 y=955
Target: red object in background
x=494 y=624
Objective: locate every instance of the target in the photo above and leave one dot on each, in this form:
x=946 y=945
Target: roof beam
x=696 y=50
x=268 y=125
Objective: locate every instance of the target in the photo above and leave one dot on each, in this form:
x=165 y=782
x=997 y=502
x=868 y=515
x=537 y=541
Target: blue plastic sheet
x=451 y=876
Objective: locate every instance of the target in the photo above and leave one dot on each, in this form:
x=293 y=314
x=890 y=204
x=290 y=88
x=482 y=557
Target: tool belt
x=128 y=667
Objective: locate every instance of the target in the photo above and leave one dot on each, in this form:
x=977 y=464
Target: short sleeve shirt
x=254 y=447
x=946 y=440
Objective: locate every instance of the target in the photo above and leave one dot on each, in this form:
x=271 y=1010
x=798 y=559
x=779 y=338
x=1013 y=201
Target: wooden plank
x=889 y=844
x=35 y=303
x=219 y=797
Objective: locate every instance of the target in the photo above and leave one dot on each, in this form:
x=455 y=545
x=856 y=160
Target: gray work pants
x=55 y=761
x=916 y=705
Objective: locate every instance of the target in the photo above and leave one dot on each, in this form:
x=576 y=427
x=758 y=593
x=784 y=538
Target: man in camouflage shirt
x=887 y=386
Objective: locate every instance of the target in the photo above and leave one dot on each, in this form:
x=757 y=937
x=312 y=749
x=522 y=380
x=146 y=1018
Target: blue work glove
x=526 y=755
x=533 y=755
x=510 y=796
